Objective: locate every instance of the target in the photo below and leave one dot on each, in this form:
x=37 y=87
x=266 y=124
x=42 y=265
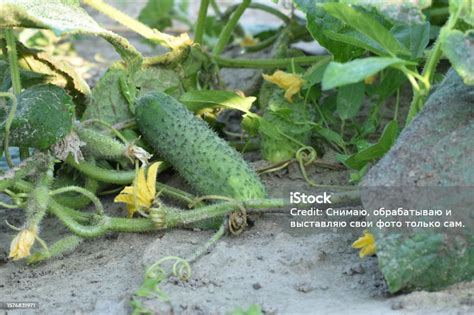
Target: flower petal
x=124 y=197
x=151 y=178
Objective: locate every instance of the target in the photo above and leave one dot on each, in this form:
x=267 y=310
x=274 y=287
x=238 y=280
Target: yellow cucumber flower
x=366 y=244
x=290 y=82
x=141 y=194
x=22 y=243
x=248 y=41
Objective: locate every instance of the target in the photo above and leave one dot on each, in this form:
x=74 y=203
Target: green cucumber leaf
x=314 y=74
x=331 y=136
x=28 y=78
x=109 y=103
x=198 y=100
x=44 y=115
x=157 y=14
x=59 y=73
x=339 y=74
x=408 y=260
x=318 y=21
x=406 y=12
x=466 y=7
x=367 y=25
x=63 y=16
x=391 y=80
x=415 y=37
x=357 y=39
x=459 y=48
x=349 y=100
x=376 y=151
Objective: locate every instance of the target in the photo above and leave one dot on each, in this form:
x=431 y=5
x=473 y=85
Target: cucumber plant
x=307 y=105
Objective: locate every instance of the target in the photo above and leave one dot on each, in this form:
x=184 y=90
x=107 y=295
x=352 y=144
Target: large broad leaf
x=465 y=8
x=157 y=13
x=367 y=25
x=200 y=99
x=459 y=48
x=319 y=21
x=44 y=115
x=415 y=37
x=376 y=151
x=349 y=100
x=339 y=74
x=357 y=39
x=28 y=78
x=109 y=100
x=62 y=16
x=400 y=11
x=58 y=73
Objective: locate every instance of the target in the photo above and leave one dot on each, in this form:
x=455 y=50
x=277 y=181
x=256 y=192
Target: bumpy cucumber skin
x=44 y=116
x=100 y=145
x=206 y=161
x=277 y=148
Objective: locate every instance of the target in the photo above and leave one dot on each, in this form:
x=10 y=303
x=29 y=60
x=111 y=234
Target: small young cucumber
x=206 y=161
x=289 y=119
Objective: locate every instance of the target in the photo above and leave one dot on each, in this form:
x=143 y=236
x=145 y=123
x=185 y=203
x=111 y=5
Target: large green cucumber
x=206 y=161
x=44 y=116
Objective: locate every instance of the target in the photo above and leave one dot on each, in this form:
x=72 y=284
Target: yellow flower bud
x=366 y=244
x=22 y=243
x=290 y=82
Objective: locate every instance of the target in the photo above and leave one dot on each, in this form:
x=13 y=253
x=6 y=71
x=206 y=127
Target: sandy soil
x=310 y=272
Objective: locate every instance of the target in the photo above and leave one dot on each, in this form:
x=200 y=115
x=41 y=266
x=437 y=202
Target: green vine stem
x=13 y=61
x=201 y=21
x=229 y=28
x=261 y=7
x=430 y=67
x=172 y=217
x=8 y=124
x=101 y=174
x=267 y=63
x=79 y=201
x=133 y=24
x=126 y=177
x=83 y=191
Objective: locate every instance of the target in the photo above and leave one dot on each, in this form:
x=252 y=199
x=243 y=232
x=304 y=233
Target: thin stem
x=201 y=21
x=133 y=24
x=13 y=61
x=83 y=191
x=267 y=63
x=216 y=8
x=263 y=44
x=201 y=251
x=229 y=28
x=8 y=124
x=101 y=174
x=430 y=68
x=261 y=7
x=397 y=105
x=175 y=193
